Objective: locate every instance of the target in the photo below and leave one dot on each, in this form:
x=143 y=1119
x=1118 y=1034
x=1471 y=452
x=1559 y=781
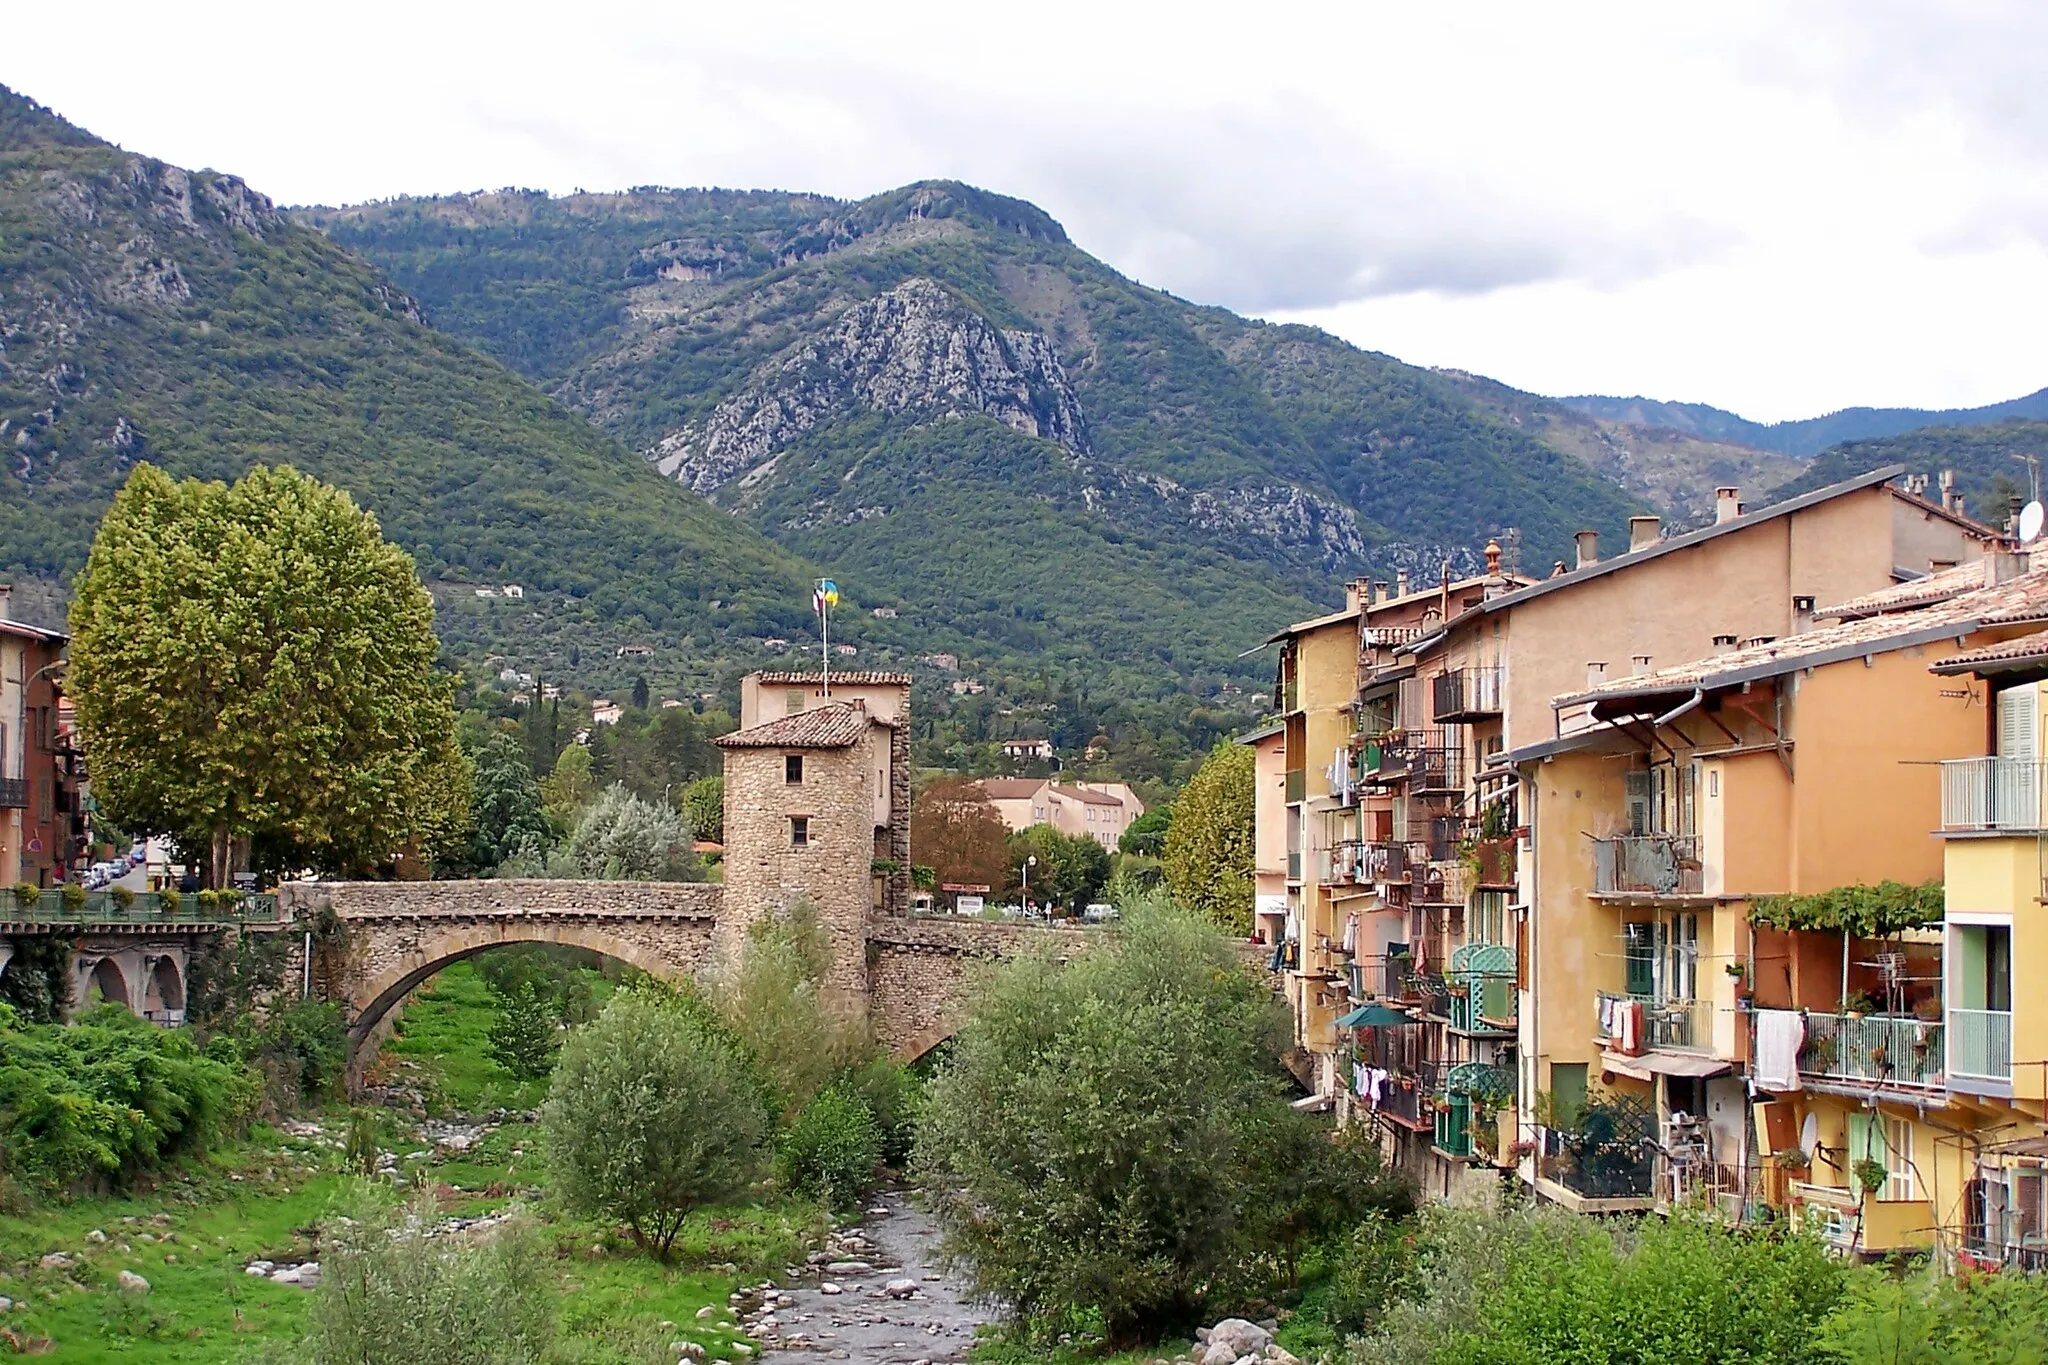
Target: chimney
x=1356 y=594
x=2004 y=567
x=1596 y=673
x=1401 y=583
x=1492 y=558
x=1727 y=503
x=1380 y=590
x=1589 y=547
x=1643 y=532
x=1724 y=644
x=1802 y=614
x=6 y=601
x=1948 y=490
x=1639 y=664
x=1557 y=569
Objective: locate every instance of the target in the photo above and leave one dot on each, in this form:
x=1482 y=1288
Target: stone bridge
x=908 y=976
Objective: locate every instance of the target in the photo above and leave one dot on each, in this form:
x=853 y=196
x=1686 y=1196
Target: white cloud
x=1778 y=209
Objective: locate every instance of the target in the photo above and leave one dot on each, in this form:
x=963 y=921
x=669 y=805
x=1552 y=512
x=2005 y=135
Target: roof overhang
x=1660 y=1063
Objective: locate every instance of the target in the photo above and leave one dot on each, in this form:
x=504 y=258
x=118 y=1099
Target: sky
x=1781 y=209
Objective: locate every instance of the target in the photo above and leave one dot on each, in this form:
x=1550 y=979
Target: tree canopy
x=1208 y=851
x=254 y=662
x=954 y=830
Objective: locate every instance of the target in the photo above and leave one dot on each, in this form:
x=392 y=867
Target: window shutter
x=1636 y=794
x=1859 y=1142
x=2019 y=722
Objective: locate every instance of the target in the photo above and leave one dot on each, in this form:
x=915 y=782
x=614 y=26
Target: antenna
x=2031 y=518
x=2033 y=464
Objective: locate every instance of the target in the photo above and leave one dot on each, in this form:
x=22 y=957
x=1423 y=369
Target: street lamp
x=1030 y=861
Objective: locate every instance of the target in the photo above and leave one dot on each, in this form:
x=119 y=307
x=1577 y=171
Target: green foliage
x=26 y=894
x=1313 y=1185
x=832 y=1149
x=302 y=1048
x=1071 y=869
x=108 y=1098
x=1928 y=1318
x=391 y=1292
x=255 y=661
x=895 y=1096
x=569 y=788
x=775 y=1006
x=651 y=1115
x=1208 y=853
x=37 y=982
x=527 y=1035
x=704 y=807
x=1861 y=911
x=623 y=838
x=1146 y=835
x=1091 y=1148
x=1981 y=456
x=505 y=806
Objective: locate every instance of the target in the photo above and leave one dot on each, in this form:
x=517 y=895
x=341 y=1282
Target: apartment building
x=42 y=774
x=1101 y=811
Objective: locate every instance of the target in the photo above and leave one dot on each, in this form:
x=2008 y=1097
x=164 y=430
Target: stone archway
x=163 y=994
x=110 y=982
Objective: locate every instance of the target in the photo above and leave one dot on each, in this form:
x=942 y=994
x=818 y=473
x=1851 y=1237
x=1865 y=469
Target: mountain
x=1807 y=436
x=936 y=391
x=153 y=313
x=1990 y=462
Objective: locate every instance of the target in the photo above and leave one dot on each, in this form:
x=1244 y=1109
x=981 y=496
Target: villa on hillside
x=1100 y=810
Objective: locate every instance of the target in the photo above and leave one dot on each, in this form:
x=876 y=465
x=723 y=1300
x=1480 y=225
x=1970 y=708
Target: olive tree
x=1093 y=1147
x=653 y=1112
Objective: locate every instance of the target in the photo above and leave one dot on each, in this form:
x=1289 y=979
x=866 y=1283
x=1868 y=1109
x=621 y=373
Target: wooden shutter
x=1636 y=794
x=2019 y=710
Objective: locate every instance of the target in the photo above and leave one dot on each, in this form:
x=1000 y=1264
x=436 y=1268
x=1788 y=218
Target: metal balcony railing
x=1465 y=695
x=1436 y=770
x=1686 y=1025
x=13 y=793
x=1365 y=863
x=1647 y=864
x=148 y=907
x=1880 y=1048
x=1980 y=1044
x=1483 y=995
x=1991 y=794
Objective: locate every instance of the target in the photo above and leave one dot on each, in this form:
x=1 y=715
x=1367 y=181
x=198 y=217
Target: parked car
x=1100 y=912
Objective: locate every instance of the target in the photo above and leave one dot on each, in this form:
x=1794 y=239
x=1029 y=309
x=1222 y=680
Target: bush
x=776 y=1007
x=123 y=897
x=832 y=1149
x=622 y=838
x=170 y=900
x=650 y=1115
x=1090 y=1148
x=1927 y=1318
x=895 y=1096
x=26 y=894
x=73 y=896
x=528 y=1033
x=389 y=1292
x=302 y=1049
x=108 y=1098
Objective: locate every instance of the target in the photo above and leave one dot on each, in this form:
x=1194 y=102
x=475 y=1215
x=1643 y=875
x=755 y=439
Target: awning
x=1315 y=1104
x=1372 y=1014
x=1653 y=1064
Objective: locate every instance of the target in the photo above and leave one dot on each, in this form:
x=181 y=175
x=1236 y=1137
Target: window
x=793 y=701
x=793 y=768
x=1889 y=1142
x=799 y=831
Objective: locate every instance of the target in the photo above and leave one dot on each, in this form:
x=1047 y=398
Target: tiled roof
x=1011 y=788
x=1938 y=586
x=823 y=727
x=2020 y=600
x=850 y=678
x=2016 y=650
x=1086 y=797
x=27 y=631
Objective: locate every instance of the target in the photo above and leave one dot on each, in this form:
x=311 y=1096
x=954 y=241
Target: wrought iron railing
x=1436 y=769
x=1466 y=694
x=1609 y=1154
x=1673 y=1023
x=147 y=907
x=1882 y=1048
x=1991 y=794
x=13 y=793
x=1365 y=862
x=1647 y=864
x=1980 y=1043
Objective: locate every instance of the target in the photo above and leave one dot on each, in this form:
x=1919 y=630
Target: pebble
x=900 y=1289
x=829 y=1288
x=131 y=1283
x=259 y=1268
x=706 y=1311
x=849 y=1268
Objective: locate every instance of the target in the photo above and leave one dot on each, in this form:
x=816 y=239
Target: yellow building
x=1695 y=828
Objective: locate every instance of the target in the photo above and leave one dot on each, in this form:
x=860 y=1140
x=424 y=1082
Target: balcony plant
x=122 y=897
x=1871 y=1174
x=1927 y=1010
x=169 y=900
x=1858 y=1003
x=73 y=897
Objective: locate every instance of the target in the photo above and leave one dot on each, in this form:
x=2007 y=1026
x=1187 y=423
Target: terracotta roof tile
x=824 y=727
x=2034 y=646
x=1011 y=788
x=850 y=678
x=1938 y=586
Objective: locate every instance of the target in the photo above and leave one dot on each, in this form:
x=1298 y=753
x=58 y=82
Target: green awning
x=1372 y=1014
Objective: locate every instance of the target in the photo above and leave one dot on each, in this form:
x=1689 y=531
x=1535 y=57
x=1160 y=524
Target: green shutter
x=1865 y=1142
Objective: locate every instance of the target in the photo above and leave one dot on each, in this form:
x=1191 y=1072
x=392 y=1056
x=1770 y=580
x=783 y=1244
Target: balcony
x=1982 y=795
x=1410 y=1099
x=1980 y=1045
x=1297 y=785
x=13 y=793
x=1365 y=864
x=1647 y=865
x=1483 y=996
x=1681 y=1025
x=1607 y=1154
x=1877 y=1049
x=1436 y=770
x=1466 y=695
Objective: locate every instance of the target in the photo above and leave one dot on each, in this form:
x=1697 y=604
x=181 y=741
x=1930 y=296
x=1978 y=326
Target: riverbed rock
x=259 y=1268
x=1218 y=1353
x=707 y=1311
x=1276 y=1354
x=56 y=1260
x=900 y=1289
x=131 y=1283
x=96 y=1237
x=849 y=1268
x=1242 y=1338
x=829 y=1288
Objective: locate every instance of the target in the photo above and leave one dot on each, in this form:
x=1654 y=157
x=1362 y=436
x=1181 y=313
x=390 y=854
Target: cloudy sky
x=1777 y=208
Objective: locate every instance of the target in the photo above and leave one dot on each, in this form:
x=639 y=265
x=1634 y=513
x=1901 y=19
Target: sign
x=969 y=905
x=969 y=888
x=35 y=844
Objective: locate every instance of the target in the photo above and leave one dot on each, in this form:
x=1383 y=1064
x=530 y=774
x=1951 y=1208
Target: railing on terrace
x=2032 y=1257
x=1980 y=1044
x=1889 y=1049
x=1647 y=864
x=1610 y=1154
x=13 y=793
x=1365 y=862
x=1486 y=974
x=1436 y=770
x=1411 y=1094
x=1436 y=839
x=1991 y=794
x=1466 y=694
x=1687 y=1025
x=148 y=907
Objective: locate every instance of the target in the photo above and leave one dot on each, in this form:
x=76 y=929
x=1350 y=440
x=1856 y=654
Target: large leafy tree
x=1071 y=869
x=506 y=808
x=954 y=829
x=1208 y=853
x=255 y=662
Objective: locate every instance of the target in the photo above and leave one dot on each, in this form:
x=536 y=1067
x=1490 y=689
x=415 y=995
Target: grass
x=192 y=1234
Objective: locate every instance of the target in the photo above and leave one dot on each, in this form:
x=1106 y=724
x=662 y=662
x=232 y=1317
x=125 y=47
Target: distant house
x=848 y=650
x=945 y=663
x=886 y=613
x=775 y=642
x=966 y=686
x=514 y=590
x=1026 y=750
x=486 y=592
x=604 y=712
x=669 y=703
x=550 y=692
x=635 y=651
x=1101 y=811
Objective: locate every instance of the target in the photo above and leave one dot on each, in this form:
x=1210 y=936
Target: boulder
x=1241 y=1337
x=131 y=1283
x=309 y=1275
x=1218 y=1353
x=849 y=1268
x=56 y=1260
x=96 y=1236
x=706 y=1311
x=1276 y=1354
x=900 y=1289
x=259 y=1268
x=829 y=1288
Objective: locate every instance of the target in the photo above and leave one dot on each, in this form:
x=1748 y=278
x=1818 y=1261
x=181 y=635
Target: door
x=1640 y=942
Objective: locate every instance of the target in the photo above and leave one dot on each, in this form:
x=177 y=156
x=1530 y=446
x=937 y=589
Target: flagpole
x=825 y=644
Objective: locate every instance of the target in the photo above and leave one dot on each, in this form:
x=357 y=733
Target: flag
x=825 y=595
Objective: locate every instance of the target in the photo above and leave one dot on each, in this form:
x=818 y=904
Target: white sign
x=968 y=905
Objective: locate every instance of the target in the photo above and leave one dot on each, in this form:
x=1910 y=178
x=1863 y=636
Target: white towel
x=1779 y=1036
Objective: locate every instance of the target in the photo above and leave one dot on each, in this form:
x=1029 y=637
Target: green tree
x=1071 y=869
x=1208 y=855
x=1091 y=1149
x=569 y=788
x=256 y=661
x=775 y=1004
x=832 y=1148
x=704 y=807
x=1145 y=836
x=652 y=1113
x=505 y=806
x=527 y=1034
x=622 y=838
x=640 y=693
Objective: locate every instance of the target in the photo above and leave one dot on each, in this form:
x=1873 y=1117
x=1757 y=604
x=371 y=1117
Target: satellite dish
x=2031 y=518
x=1809 y=1135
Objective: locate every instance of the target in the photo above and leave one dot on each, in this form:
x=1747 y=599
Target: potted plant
x=73 y=896
x=1871 y=1174
x=26 y=894
x=1857 y=1004
x=122 y=897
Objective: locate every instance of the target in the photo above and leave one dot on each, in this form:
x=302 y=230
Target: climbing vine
x=1859 y=910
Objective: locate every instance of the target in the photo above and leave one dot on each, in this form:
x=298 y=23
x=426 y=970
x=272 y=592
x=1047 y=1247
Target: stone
x=692 y=1351
x=1276 y=1354
x=259 y=1267
x=900 y=1289
x=1241 y=1337
x=1270 y=1324
x=131 y=1283
x=309 y=1275
x=829 y=1288
x=849 y=1268
x=742 y=1350
x=707 y=1311
x=96 y=1237
x=285 y=1274
x=1218 y=1353
x=56 y=1260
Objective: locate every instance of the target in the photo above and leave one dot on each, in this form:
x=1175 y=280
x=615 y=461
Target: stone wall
x=920 y=972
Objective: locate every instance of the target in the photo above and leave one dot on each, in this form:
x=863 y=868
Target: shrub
x=527 y=1034
x=1927 y=1318
x=26 y=894
x=776 y=1006
x=123 y=897
x=832 y=1149
x=895 y=1096
x=650 y=1115
x=390 y=1292
x=1089 y=1148
x=170 y=900
x=622 y=837
x=302 y=1049
x=73 y=896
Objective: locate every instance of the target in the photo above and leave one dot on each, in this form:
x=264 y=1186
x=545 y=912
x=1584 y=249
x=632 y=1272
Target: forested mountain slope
x=1805 y=436
x=1990 y=462
x=151 y=313
x=935 y=388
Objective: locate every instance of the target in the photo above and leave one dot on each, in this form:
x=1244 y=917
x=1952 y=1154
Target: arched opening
x=107 y=984
x=163 y=999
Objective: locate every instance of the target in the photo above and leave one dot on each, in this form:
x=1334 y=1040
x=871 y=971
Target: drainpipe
x=1699 y=695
